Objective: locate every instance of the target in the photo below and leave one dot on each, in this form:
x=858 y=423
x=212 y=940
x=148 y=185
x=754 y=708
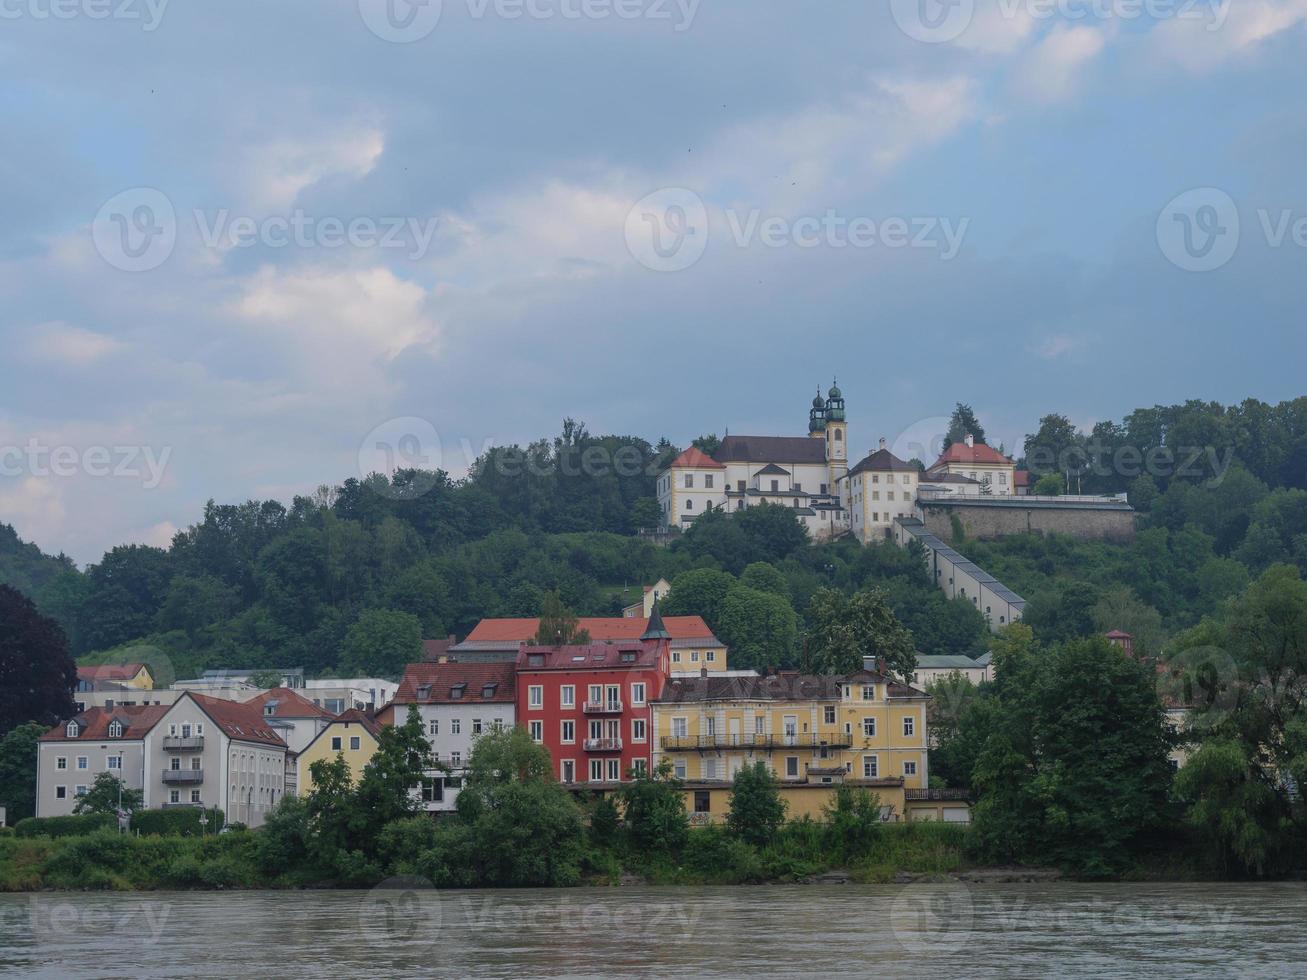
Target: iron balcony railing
x=779 y=740
x=602 y=708
x=603 y=745
x=183 y=743
x=183 y=775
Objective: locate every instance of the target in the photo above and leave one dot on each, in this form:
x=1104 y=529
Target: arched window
x=115 y=729
x=72 y=730
x=839 y=435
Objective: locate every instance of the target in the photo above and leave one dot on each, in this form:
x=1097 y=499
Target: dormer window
x=424 y=692
x=115 y=729
x=456 y=692
x=536 y=660
x=488 y=691
x=73 y=730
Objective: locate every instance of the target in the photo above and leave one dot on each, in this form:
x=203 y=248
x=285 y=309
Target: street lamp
x=204 y=822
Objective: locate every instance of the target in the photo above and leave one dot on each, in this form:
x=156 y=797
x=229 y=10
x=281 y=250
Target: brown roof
x=240 y=721
x=426 y=683
x=771 y=449
x=629 y=655
x=435 y=649
x=109 y=672
x=784 y=686
x=94 y=722
x=882 y=460
x=361 y=718
x=287 y=703
x=599 y=627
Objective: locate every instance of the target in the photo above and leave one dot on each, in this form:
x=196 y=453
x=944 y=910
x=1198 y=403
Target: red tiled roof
x=435 y=649
x=591 y=656
x=960 y=452
x=696 y=459
x=289 y=704
x=239 y=721
x=361 y=718
x=1021 y=478
x=599 y=627
x=109 y=672
x=442 y=678
x=136 y=719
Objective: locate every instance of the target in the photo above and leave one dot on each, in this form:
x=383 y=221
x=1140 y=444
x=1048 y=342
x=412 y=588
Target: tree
x=265 y=678
x=1049 y=485
x=961 y=423
x=765 y=578
x=108 y=794
x=39 y=675
x=853 y=824
x=654 y=809
x=380 y=643
x=760 y=629
x=403 y=757
x=1074 y=769
x=708 y=445
x=558 y=625
x=699 y=592
x=844 y=630
x=1057 y=448
x=646 y=514
x=18 y=770
x=757 y=811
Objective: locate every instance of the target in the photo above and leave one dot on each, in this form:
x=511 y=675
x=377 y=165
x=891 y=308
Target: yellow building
x=351 y=734
x=813 y=732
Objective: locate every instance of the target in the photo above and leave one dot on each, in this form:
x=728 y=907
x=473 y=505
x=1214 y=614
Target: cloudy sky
x=239 y=240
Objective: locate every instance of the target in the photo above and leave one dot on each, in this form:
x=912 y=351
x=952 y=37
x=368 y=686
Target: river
x=991 y=930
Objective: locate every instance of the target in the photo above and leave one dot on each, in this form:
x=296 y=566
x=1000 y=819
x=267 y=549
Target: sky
x=250 y=248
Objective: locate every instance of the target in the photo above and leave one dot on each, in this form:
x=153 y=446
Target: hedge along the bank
x=74 y=825
x=179 y=822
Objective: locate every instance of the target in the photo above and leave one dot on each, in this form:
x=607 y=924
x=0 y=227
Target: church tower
x=837 y=435
x=817 y=417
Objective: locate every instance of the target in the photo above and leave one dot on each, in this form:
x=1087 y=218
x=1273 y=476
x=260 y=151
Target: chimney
x=971 y=440
x=882 y=442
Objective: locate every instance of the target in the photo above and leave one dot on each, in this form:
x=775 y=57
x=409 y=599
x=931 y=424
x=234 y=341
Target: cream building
x=970 y=467
x=879 y=489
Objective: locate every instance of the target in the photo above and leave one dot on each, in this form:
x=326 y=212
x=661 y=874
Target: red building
x=589 y=704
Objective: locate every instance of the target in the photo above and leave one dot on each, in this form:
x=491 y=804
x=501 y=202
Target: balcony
x=183 y=743
x=192 y=776
x=602 y=708
x=779 y=740
x=603 y=745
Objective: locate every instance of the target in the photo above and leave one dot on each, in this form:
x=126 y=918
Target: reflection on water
x=404 y=930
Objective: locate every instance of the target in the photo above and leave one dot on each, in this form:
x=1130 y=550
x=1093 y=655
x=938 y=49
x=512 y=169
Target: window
x=456 y=726
x=678 y=768
x=707 y=480
x=81 y=762
x=354 y=743
x=640 y=767
x=567 y=695
x=637 y=730
x=476 y=726
x=868 y=727
x=434 y=727
x=710 y=656
x=759 y=725
x=456 y=758
x=115 y=729
x=174 y=796
x=869 y=692
x=909 y=727
x=72 y=730
x=689 y=481
x=830 y=714
x=909 y=768
x=535 y=696
x=61 y=792
x=334 y=705
x=569 y=731
x=614 y=770
x=870 y=767
x=335 y=743
x=637 y=694
x=195 y=796
x=775 y=486
x=676 y=656
x=61 y=762
x=195 y=763
x=694 y=656
x=702 y=801
x=791 y=765
x=569 y=771
x=596 y=729
x=596 y=770
x=537 y=731
x=689 y=505
x=680 y=727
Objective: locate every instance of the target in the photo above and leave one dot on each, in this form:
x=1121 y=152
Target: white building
x=458 y=703
x=970 y=467
x=799 y=472
x=879 y=489
x=297 y=719
x=961 y=578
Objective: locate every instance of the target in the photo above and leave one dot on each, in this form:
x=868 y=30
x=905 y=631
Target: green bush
x=70 y=826
x=716 y=855
x=180 y=822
